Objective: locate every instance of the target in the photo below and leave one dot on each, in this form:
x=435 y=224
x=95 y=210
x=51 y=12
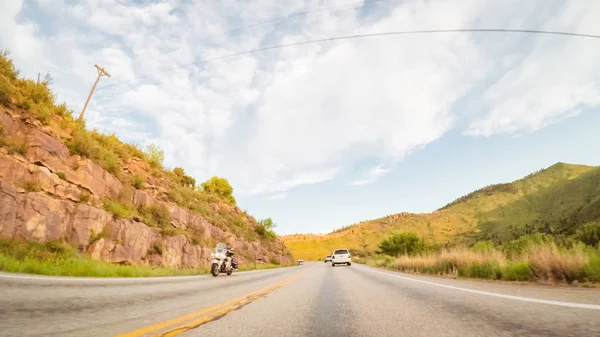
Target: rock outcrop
x=49 y=194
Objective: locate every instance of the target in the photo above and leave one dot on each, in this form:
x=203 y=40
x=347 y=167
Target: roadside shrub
x=517 y=248
x=61 y=175
x=274 y=261
x=486 y=270
x=402 y=244
x=589 y=233
x=548 y=263
x=591 y=271
x=484 y=247
x=517 y=271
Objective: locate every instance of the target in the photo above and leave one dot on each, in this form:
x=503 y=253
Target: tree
x=219 y=186
x=402 y=244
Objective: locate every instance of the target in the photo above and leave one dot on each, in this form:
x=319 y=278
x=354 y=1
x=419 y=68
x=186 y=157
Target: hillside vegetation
x=556 y=201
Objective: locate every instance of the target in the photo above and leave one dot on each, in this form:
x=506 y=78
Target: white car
x=341 y=256
x=327 y=258
x=300 y=261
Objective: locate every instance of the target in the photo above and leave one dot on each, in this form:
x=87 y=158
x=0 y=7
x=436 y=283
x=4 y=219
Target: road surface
x=309 y=300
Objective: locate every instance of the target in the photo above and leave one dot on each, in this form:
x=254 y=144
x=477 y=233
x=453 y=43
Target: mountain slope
x=554 y=200
x=111 y=200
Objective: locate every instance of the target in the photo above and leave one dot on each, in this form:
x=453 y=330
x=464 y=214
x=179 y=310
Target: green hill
x=556 y=200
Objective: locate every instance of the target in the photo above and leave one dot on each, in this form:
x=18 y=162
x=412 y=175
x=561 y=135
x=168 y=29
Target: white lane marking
x=486 y=293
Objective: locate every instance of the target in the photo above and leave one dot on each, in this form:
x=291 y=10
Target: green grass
x=59 y=259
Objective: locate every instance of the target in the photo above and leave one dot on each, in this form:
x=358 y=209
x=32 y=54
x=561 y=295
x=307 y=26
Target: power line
x=358 y=36
x=281 y=19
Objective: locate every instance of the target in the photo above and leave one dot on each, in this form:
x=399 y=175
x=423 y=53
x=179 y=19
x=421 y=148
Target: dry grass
x=547 y=262
x=544 y=262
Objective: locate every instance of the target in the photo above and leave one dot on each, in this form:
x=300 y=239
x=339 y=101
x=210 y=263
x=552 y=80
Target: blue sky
x=323 y=135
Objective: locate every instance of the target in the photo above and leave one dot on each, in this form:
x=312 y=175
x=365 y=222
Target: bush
x=589 y=233
x=402 y=244
x=591 y=271
x=105 y=233
x=486 y=270
x=274 y=261
x=184 y=196
x=84 y=197
x=119 y=209
x=61 y=175
x=265 y=229
x=517 y=271
x=484 y=247
x=13 y=144
x=156 y=215
x=517 y=248
x=6 y=91
x=172 y=232
x=86 y=144
x=138 y=181
x=30 y=186
x=220 y=187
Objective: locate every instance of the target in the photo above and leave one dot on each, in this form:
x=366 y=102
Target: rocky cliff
x=46 y=193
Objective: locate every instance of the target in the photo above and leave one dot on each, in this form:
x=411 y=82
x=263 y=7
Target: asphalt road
x=310 y=300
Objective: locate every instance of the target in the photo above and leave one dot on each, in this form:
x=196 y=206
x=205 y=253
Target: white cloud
x=373 y=174
x=551 y=82
x=277 y=196
x=275 y=120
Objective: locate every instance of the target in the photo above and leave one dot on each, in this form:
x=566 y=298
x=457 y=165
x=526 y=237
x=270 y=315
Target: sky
x=321 y=135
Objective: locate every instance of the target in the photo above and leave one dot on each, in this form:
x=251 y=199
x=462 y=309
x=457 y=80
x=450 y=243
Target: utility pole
x=101 y=72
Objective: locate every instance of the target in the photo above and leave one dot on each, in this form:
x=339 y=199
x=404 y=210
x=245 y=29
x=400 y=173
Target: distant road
x=310 y=300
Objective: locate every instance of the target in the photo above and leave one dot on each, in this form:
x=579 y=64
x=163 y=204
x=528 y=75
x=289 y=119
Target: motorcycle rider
x=230 y=252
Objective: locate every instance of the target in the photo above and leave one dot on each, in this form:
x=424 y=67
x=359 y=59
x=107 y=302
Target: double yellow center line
x=181 y=324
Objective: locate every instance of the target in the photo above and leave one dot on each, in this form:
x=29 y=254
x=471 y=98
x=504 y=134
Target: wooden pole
x=101 y=72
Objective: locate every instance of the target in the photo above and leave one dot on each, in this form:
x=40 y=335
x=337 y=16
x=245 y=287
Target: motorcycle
x=223 y=261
